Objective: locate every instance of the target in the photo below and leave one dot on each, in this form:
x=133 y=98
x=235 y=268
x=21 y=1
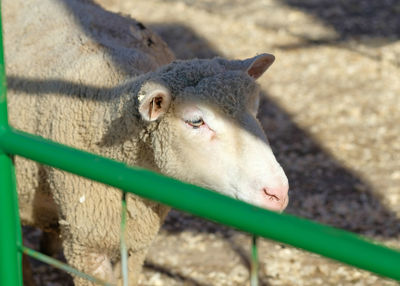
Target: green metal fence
x=327 y=241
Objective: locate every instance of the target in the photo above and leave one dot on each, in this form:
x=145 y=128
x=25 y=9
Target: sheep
x=104 y=83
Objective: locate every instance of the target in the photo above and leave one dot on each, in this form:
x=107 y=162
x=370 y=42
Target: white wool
x=85 y=77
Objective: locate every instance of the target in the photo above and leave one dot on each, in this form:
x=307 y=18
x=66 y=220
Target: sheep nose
x=276 y=198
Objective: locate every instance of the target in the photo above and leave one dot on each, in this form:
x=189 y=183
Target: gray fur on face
x=218 y=81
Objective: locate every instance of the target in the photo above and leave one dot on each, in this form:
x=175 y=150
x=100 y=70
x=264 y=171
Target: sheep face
x=230 y=155
x=211 y=137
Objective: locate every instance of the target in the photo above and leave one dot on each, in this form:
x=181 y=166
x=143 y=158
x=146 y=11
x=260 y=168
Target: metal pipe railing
x=327 y=241
x=10 y=229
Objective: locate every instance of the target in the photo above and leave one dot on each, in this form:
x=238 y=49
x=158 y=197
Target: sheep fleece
x=65 y=60
x=75 y=75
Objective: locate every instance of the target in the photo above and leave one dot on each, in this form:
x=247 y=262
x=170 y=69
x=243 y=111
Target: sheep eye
x=195 y=123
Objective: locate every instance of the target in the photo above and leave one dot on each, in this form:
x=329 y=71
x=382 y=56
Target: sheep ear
x=255 y=67
x=154 y=101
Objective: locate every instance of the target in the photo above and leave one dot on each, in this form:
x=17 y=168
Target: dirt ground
x=331 y=109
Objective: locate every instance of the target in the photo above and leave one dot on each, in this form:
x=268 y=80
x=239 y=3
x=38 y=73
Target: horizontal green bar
x=63 y=266
x=327 y=241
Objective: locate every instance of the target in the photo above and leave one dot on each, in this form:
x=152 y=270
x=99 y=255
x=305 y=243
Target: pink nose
x=275 y=199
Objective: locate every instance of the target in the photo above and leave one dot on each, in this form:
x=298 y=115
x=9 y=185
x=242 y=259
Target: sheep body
x=62 y=81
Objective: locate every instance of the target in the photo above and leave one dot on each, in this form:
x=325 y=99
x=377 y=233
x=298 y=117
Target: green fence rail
x=10 y=229
x=327 y=241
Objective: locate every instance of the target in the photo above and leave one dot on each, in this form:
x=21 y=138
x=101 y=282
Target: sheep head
x=208 y=133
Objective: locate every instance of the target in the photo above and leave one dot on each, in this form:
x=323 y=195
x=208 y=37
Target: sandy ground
x=331 y=110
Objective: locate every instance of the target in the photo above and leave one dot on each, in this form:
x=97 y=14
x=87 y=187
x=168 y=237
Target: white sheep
x=104 y=83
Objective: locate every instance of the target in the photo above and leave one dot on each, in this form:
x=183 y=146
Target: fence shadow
x=173 y=274
x=321 y=188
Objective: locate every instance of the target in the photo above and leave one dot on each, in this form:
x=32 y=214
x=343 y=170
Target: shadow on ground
x=355 y=18
x=321 y=189
x=372 y=23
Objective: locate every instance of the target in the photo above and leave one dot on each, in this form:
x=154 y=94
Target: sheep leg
x=27 y=274
x=86 y=260
x=50 y=243
x=135 y=264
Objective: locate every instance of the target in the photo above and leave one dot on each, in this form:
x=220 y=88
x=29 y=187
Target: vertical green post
x=10 y=229
x=254 y=262
x=124 y=252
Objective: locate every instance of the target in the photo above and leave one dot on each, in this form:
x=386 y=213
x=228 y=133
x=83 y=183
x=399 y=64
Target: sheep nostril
x=271 y=195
